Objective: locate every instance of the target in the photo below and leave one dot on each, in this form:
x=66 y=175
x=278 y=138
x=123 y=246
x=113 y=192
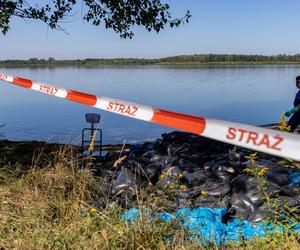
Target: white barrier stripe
x=256 y=138
x=49 y=89
x=124 y=108
x=9 y=79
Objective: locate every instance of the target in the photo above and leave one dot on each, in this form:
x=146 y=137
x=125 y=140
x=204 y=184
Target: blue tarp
x=295 y=180
x=205 y=225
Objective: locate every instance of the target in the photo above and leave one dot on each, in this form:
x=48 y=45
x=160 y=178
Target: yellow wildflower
x=203 y=193
x=252 y=156
x=93 y=210
x=248 y=170
x=283 y=126
x=262 y=172
x=162 y=176
x=119 y=229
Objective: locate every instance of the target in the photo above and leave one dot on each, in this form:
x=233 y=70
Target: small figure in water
x=295 y=119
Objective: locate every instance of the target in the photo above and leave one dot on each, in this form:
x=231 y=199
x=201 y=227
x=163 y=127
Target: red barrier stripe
x=80 y=97
x=22 y=82
x=189 y=123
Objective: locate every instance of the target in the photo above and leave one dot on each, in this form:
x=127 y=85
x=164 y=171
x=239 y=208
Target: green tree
x=118 y=15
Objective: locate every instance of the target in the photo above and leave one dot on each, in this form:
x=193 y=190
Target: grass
x=56 y=207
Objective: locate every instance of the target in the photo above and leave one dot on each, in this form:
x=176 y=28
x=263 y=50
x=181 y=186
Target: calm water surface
x=249 y=94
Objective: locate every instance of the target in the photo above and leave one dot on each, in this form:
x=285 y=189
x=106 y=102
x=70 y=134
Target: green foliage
x=199 y=59
x=118 y=15
x=227 y=58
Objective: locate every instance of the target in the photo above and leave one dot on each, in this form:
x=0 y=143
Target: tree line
x=201 y=59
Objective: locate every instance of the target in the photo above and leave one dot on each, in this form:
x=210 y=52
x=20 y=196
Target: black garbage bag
x=241 y=206
x=177 y=137
x=210 y=201
x=198 y=158
x=192 y=171
x=163 y=159
x=251 y=192
x=212 y=187
x=149 y=154
x=184 y=200
x=140 y=149
x=126 y=186
x=221 y=171
x=236 y=156
x=259 y=215
x=275 y=172
x=151 y=172
x=199 y=177
x=279 y=176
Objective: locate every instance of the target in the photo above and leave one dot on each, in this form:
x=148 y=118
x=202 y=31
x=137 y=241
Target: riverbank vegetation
x=188 y=60
x=49 y=203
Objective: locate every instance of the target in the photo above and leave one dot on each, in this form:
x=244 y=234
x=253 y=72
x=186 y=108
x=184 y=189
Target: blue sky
x=217 y=26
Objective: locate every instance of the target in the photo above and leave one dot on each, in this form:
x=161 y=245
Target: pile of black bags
x=193 y=171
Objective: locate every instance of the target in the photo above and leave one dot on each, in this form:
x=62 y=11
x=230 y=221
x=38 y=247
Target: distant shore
x=197 y=60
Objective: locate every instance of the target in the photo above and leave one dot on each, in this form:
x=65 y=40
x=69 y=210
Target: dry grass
x=54 y=208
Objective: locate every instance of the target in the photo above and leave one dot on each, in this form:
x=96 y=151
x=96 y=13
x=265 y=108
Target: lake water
x=248 y=94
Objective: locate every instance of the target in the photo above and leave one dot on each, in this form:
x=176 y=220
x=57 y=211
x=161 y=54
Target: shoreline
x=25 y=152
x=162 y=65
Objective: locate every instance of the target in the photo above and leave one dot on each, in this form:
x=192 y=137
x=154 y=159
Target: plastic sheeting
x=295 y=180
x=206 y=226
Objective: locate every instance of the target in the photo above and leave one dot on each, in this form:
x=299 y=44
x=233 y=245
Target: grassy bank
x=50 y=204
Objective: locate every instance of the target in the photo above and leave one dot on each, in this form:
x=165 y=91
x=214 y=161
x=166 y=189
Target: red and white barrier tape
x=255 y=138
